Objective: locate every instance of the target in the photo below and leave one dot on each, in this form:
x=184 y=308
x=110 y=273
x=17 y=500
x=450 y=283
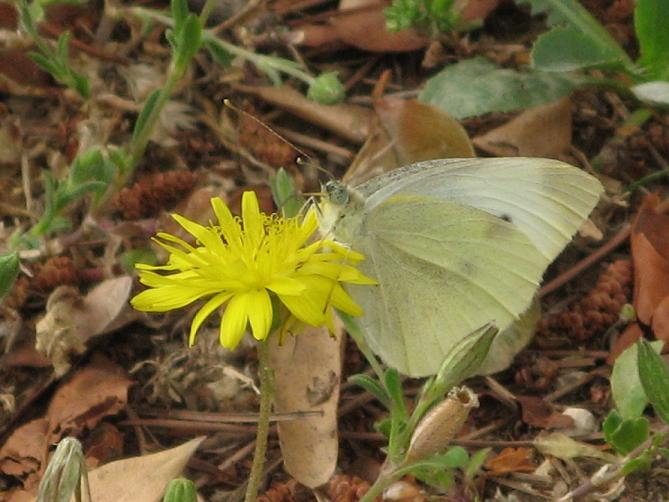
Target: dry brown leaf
x=562 y=446
x=95 y=391
x=660 y=324
x=307 y=369
x=24 y=452
x=651 y=277
x=71 y=320
x=511 y=460
x=140 y=478
x=542 y=131
x=365 y=28
x=631 y=334
x=407 y=131
x=538 y=413
x=347 y=121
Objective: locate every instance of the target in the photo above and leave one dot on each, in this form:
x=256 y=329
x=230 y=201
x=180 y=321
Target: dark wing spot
x=506 y=217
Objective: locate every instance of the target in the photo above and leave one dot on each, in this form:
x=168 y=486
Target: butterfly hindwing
x=444 y=270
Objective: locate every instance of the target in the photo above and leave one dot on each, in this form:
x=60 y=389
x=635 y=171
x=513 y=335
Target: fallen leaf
x=407 y=131
x=631 y=334
x=649 y=240
x=538 y=413
x=140 y=478
x=365 y=29
x=660 y=324
x=97 y=390
x=71 y=321
x=562 y=446
x=24 y=452
x=542 y=131
x=307 y=369
x=511 y=460
x=347 y=121
x=104 y=443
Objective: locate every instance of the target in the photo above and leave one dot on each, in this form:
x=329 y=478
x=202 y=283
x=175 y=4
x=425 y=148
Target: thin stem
x=382 y=482
x=266 y=392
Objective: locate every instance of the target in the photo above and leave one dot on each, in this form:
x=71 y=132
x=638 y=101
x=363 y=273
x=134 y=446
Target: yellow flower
x=246 y=262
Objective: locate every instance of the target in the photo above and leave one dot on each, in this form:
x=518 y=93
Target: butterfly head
x=336 y=192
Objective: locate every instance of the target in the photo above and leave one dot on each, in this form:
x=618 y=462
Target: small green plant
x=560 y=58
x=430 y=16
x=640 y=377
x=325 y=88
x=56 y=62
x=418 y=440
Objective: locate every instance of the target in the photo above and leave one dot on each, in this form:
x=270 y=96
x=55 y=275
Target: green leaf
x=476 y=86
x=285 y=196
x=393 y=385
x=180 y=11
x=654 y=376
x=188 y=40
x=218 y=53
x=651 y=23
x=571 y=13
x=148 y=107
x=626 y=388
x=63 y=50
x=625 y=434
x=373 y=387
x=437 y=469
x=655 y=93
x=641 y=463
x=9 y=271
x=567 y=49
x=475 y=463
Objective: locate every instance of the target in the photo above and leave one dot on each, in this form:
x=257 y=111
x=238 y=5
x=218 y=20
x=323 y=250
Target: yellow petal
x=286 y=286
x=163 y=299
x=207 y=237
x=234 y=321
x=253 y=220
x=260 y=313
x=229 y=226
x=212 y=304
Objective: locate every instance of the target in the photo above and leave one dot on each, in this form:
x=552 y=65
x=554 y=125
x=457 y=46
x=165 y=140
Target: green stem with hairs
x=266 y=393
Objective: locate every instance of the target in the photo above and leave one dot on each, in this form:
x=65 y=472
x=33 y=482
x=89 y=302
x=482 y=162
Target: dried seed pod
x=154 y=192
x=438 y=427
x=596 y=311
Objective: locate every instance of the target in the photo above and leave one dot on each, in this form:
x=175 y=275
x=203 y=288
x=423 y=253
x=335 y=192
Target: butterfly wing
x=545 y=199
x=444 y=270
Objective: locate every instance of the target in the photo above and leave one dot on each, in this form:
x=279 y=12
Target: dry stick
x=602 y=477
x=587 y=262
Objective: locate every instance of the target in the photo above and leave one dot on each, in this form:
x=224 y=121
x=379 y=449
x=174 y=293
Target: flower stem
x=382 y=482
x=266 y=392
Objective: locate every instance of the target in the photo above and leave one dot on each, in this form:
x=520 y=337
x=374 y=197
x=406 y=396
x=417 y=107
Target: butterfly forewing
x=546 y=199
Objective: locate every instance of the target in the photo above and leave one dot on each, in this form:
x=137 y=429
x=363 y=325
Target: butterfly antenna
x=229 y=104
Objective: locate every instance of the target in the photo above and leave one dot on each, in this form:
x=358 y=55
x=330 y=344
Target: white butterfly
x=454 y=244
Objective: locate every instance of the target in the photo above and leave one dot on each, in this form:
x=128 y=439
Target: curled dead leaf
x=511 y=460
x=542 y=131
x=307 y=370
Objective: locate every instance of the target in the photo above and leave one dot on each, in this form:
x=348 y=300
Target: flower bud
x=180 y=490
x=438 y=427
x=326 y=89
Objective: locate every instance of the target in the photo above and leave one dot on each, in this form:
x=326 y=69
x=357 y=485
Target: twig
x=587 y=262
x=609 y=472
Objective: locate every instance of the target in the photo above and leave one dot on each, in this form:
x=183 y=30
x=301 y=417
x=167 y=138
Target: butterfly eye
x=337 y=193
